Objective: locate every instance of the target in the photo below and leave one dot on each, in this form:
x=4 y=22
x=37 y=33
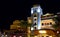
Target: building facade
x=42 y=24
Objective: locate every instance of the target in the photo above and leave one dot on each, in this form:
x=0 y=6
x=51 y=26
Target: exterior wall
x=41 y=23
x=36 y=13
x=14 y=27
x=47 y=23
x=15 y=24
x=44 y=33
x=29 y=19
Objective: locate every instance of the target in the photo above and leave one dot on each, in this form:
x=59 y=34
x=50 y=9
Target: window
x=35 y=28
x=35 y=19
x=48 y=16
x=34 y=23
x=42 y=24
x=50 y=23
x=47 y=23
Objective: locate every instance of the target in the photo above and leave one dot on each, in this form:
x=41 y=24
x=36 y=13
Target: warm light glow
x=31 y=10
x=35 y=36
x=42 y=31
x=6 y=35
x=20 y=36
x=29 y=21
x=14 y=36
x=50 y=36
x=32 y=28
x=18 y=26
x=57 y=31
x=28 y=31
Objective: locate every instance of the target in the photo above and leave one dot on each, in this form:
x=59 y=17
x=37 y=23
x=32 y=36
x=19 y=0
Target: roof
x=47 y=14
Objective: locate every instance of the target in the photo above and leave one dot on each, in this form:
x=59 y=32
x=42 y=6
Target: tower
x=36 y=13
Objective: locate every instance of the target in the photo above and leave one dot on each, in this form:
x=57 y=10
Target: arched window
x=42 y=24
x=50 y=23
x=35 y=19
x=35 y=28
x=47 y=23
x=34 y=23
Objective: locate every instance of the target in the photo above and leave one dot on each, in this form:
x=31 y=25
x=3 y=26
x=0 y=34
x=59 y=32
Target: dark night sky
x=20 y=9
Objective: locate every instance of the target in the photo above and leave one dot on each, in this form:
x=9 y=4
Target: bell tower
x=36 y=13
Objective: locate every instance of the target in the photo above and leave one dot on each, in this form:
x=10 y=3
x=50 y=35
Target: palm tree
x=56 y=25
x=23 y=24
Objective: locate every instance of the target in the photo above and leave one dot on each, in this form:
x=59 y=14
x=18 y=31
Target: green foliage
x=23 y=24
x=55 y=26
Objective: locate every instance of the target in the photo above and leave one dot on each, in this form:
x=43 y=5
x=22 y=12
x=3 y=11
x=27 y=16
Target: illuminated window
x=43 y=31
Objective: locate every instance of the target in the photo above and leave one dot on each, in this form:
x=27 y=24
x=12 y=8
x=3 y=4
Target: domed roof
x=47 y=14
x=16 y=21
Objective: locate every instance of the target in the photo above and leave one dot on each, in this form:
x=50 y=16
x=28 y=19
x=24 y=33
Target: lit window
x=42 y=31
